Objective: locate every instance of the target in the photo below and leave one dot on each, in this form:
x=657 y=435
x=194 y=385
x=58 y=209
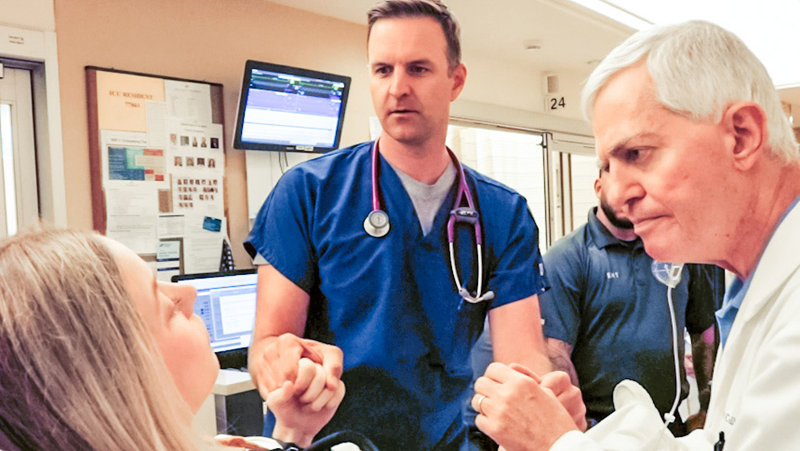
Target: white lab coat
x=755 y=394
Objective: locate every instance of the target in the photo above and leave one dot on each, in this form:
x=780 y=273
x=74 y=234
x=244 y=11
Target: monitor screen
x=226 y=301
x=290 y=109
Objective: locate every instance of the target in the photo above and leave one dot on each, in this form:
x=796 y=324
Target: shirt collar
x=734 y=294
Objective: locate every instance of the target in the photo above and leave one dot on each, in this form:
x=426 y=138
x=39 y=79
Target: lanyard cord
x=669 y=417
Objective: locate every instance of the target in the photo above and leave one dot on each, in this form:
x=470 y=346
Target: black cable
x=340 y=437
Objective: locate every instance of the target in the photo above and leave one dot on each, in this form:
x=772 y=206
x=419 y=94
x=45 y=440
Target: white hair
x=698 y=70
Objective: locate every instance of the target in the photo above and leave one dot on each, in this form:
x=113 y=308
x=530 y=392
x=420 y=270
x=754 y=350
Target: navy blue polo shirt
x=605 y=302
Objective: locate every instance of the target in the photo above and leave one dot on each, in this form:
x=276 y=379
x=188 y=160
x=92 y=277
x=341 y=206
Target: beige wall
x=210 y=40
x=500 y=83
x=202 y=40
x=32 y=14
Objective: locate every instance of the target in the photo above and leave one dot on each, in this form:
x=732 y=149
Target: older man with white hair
x=704 y=162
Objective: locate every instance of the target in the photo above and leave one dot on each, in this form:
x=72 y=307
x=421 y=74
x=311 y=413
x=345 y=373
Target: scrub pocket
x=468 y=328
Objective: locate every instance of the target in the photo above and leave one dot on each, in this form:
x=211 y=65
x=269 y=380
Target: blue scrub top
x=390 y=303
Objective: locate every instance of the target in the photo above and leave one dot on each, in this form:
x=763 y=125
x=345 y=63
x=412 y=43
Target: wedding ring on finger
x=480 y=402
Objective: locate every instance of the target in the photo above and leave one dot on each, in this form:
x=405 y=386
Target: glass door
x=19 y=200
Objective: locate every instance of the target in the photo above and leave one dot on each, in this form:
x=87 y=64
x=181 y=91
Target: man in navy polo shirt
x=607 y=318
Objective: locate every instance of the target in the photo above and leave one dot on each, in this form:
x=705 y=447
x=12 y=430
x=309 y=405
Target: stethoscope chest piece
x=376 y=224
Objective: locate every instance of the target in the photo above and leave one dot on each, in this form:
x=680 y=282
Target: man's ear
x=598 y=184
x=459 y=79
x=747 y=124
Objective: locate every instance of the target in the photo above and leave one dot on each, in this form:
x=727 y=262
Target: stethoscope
x=376 y=224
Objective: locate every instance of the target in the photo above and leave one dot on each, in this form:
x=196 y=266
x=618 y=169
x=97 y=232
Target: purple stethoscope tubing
x=377 y=223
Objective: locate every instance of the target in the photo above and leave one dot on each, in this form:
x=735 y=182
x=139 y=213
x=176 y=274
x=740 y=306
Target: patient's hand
x=274 y=360
x=304 y=406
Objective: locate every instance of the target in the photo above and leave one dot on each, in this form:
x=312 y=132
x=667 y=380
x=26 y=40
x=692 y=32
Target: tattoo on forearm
x=560 y=363
x=559 y=353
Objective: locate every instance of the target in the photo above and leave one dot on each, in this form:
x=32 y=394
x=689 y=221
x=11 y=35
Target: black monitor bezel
x=205 y=275
x=245 y=89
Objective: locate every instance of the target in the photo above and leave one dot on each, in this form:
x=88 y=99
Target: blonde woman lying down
x=87 y=336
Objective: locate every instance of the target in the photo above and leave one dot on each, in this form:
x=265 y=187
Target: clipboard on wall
x=157 y=164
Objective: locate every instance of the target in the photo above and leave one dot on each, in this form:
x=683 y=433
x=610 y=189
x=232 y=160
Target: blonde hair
x=79 y=368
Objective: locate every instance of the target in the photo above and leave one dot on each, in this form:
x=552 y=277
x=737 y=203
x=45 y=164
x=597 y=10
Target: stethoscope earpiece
x=376 y=224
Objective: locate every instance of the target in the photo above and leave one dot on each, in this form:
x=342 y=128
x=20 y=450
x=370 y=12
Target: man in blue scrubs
x=383 y=313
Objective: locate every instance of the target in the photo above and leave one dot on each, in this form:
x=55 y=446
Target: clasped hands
x=301 y=381
x=522 y=411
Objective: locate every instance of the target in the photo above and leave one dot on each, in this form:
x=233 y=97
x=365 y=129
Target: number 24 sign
x=555 y=103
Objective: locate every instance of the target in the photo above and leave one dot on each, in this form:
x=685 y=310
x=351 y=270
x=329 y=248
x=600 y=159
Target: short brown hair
x=422 y=8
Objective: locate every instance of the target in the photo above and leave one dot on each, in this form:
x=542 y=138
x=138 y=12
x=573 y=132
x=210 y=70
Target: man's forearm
x=255 y=354
x=560 y=354
x=517 y=337
x=539 y=363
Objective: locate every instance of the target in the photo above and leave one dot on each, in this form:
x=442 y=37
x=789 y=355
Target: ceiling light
x=615 y=12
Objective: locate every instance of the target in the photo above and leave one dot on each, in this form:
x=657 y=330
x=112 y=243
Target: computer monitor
x=226 y=301
x=289 y=109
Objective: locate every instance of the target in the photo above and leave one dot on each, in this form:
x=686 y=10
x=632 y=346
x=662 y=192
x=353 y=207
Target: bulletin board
x=157 y=162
